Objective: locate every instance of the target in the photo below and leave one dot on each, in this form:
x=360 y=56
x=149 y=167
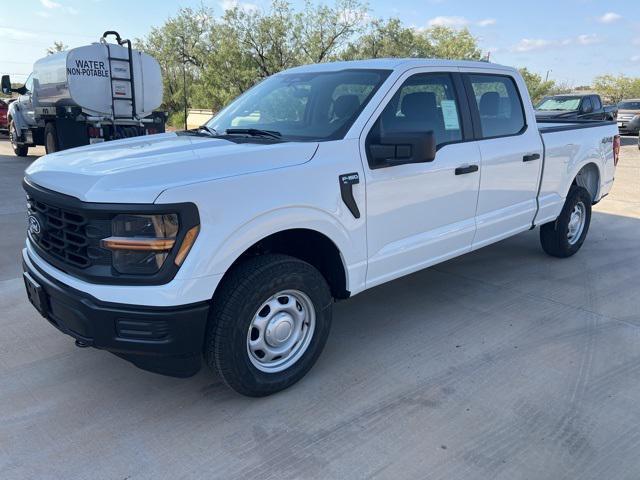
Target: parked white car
x=231 y=242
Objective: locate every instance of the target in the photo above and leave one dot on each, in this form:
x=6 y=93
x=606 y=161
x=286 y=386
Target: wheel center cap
x=279 y=329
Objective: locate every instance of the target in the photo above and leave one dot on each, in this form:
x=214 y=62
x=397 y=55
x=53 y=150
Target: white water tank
x=82 y=77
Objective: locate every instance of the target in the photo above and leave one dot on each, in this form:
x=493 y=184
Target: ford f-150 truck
x=232 y=241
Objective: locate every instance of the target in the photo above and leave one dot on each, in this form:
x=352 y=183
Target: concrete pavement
x=504 y=363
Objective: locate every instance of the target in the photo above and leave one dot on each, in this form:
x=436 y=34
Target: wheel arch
x=588 y=176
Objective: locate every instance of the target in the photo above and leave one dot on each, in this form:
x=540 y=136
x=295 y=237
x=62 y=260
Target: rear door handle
x=531 y=157
x=467 y=169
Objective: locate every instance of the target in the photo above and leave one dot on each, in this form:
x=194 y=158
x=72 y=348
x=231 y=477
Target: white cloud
x=15 y=34
x=609 y=17
x=529 y=44
x=486 y=22
x=588 y=39
x=231 y=4
x=532 y=44
x=459 y=22
x=50 y=4
x=448 y=22
x=636 y=41
x=635 y=58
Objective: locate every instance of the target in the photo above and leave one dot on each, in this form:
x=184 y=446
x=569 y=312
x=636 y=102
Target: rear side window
x=499 y=105
x=586 y=105
x=596 y=103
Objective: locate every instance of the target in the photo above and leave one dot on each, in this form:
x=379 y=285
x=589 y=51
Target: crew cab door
x=511 y=155
x=420 y=213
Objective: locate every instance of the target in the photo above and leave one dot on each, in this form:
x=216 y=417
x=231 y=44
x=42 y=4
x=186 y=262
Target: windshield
x=629 y=105
x=302 y=106
x=559 y=103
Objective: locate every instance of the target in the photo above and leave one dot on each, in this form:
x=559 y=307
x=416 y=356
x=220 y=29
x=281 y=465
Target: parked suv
x=629 y=116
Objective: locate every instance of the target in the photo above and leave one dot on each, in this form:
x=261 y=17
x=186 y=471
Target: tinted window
x=596 y=103
x=303 y=106
x=586 y=105
x=425 y=102
x=499 y=105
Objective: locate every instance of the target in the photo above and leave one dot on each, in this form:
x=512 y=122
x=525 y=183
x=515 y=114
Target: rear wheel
x=19 y=150
x=565 y=236
x=50 y=138
x=269 y=323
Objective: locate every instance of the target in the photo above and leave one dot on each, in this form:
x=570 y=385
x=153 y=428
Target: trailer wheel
x=50 y=138
x=19 y=150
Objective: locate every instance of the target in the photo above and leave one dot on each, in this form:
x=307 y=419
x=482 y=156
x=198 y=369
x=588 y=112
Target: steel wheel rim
x=577 y=220
x=280 y=331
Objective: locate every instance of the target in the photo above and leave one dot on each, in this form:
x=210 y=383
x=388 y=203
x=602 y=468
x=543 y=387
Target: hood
x=137 y=170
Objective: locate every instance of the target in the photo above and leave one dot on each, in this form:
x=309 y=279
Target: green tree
x=615 y=88
x=221 y=57
x=537 y=87
x=57 y=47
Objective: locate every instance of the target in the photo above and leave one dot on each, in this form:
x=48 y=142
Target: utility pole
x=546 y=79
x=184 y=80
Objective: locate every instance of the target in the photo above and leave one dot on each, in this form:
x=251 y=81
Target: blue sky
x=574 y=40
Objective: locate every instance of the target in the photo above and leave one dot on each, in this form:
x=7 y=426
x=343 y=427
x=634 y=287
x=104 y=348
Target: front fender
x=229 y=248
x=15 y=114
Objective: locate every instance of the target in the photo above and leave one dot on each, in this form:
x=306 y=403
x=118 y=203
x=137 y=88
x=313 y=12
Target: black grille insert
x=61 y=233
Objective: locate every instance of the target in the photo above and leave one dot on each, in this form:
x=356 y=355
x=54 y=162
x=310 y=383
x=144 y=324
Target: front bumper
x=166 y=340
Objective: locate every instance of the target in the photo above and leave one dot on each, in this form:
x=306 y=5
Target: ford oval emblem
x=34 y=225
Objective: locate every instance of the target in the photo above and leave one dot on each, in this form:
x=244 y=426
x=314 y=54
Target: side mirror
x=6 y=84
x=399 y=148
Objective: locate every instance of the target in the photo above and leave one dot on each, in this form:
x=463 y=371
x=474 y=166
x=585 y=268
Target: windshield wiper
x=209 y=130
x=253 y=132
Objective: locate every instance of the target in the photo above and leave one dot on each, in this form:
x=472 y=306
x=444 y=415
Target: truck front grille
x=68 y=236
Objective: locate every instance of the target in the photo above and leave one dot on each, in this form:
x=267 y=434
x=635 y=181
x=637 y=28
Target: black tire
x=19 y=150
x=246 y=288
x=50 y=138
x=554 y=236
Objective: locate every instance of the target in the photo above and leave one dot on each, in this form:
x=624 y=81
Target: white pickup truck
x=232 y=241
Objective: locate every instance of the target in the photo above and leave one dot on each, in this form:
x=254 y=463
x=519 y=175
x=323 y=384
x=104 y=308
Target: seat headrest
x=419 y=105
x=489 y=104
x=346 y=105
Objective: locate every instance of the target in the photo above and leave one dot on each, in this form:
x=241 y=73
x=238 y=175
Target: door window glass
x=424 y=103
x=498 y=104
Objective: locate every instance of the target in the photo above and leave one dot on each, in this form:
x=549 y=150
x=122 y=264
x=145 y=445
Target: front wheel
x=19 y=150
x=269 y=323
x=564 y=237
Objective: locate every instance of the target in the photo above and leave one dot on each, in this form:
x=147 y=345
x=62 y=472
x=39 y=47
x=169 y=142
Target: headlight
x=140 y=244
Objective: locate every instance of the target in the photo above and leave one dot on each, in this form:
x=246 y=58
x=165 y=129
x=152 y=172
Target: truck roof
x=394 y=63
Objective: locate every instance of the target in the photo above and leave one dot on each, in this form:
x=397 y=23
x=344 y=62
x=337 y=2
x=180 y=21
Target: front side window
x=596 y=103
x=586 y=105
x=424 y=103
x=499 y=105
x=312 y=106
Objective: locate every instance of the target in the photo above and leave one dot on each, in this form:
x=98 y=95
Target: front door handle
x=531 y=157
x=467 y=169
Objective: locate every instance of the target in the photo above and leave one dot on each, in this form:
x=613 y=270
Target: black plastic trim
x=347 y=181
x=575 y=124
x=188 y=218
